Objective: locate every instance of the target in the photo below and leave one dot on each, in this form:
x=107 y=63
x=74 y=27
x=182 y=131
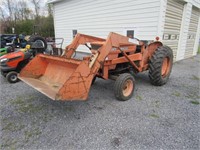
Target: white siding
x=197 y=39
x=196 y=3
x=184 y=31
x=99 y=17
x=161 y=22
x=193 y=26
x=172 y=27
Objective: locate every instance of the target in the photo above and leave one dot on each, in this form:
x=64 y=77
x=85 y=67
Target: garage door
x=192 y=32
x=172 y=25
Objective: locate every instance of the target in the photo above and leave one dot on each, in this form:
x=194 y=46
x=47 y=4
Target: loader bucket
x=58 y=78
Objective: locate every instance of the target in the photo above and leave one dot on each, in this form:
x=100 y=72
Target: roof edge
x=53 y=1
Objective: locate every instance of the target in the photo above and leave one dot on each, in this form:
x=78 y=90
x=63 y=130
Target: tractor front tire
x=160 y=65
x=124 y=87
x=11 y=77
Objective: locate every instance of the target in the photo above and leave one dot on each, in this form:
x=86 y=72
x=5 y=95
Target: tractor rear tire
x=160 y=65
x=124 y=87
x=11 y=77
x=33 y=39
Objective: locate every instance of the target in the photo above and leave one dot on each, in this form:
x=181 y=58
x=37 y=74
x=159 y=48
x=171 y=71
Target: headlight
x=4 y=60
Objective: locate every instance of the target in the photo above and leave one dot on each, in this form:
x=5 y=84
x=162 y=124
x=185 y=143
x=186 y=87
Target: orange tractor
x=67 y=77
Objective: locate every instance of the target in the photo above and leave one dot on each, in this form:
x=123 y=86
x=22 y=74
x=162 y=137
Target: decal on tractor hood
x=134 y=41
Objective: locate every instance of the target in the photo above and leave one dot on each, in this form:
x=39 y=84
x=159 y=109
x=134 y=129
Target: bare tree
x=23 y=11
x=36 y=4
x=23 y=15
x=2 y=17
x=22 y=5
x=7 y=9
x=50 y=9
x=5 y=20
x=9 y=5
x=19 y=10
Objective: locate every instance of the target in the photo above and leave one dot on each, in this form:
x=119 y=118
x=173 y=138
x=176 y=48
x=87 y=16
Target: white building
x=176 y=22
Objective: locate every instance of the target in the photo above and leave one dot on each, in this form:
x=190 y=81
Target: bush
x=43 y=26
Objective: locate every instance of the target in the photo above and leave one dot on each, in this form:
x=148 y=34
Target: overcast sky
x=42 y=2
x=30 y=5
x=43 y=8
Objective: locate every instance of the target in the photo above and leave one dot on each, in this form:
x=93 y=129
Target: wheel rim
x=13 y=78
x=165 y=67
x=40 y=42
x=127 y=88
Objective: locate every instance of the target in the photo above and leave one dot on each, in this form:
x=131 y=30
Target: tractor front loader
x=69 y=78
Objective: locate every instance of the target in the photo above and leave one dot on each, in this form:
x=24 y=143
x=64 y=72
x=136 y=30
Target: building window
x=74 y=32
x=130 y=33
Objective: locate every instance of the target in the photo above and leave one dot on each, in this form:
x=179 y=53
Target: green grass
x=177 y=94
x=194 y=102
x=154 y=116
x=12 y=127
x=193 y=96
x=24 y=105
x=7 y=125
x=29 y=108
x=31 y=134
x=195 y=77
x=8 y=144
x=138 y=97
x=198 y=50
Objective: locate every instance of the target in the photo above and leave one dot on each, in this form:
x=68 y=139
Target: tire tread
x=118 y=86
x=155 y=65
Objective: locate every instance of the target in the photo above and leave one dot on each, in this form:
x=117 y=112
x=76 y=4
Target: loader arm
x=80 y=39
x=113 y=40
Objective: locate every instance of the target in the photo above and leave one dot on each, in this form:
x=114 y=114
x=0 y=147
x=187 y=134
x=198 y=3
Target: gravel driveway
x=166 y=117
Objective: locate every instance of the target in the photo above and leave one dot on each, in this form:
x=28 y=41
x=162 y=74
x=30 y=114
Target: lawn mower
x=12 y=63
x=6 y=50
x=11 y=41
